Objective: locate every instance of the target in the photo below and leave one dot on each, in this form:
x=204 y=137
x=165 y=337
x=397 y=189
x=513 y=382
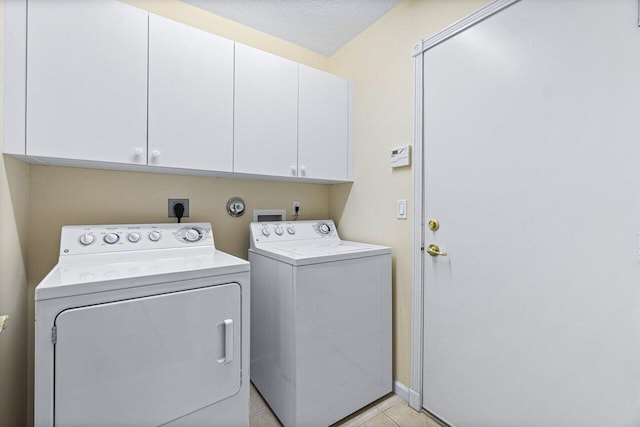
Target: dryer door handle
x=227 y=341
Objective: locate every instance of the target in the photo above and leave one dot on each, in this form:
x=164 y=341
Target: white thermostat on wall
x=400 y=156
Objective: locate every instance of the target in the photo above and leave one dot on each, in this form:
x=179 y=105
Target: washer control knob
x=86 y=239
x=192 y=235
x=133 y=237
x=291 y=229
x=279 y=230
x=155 y=235
x=111 y=238
x=324 y=228
x=265 y=231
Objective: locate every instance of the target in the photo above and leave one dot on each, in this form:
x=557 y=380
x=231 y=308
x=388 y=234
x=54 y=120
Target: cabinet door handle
x=294 y=171
x=155 y=154
x=138 y=151
x=303 y=171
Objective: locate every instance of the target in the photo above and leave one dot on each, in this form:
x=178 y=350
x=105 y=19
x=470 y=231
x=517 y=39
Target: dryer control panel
x=92 y=239
x=288 y=231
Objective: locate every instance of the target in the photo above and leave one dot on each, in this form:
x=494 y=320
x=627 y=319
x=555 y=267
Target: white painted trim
x=401 y=390
x=415 y=399
x=418 y=240
x=350 y=112
x=464 y=23
x=417 y=324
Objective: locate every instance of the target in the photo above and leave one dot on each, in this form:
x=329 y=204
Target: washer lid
x=295 y=253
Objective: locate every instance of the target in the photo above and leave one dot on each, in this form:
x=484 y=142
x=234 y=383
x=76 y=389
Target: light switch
x=402 y=209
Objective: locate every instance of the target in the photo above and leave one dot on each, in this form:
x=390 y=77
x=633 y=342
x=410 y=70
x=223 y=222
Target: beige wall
x=14 y=206
x=381 y=64
x=14 y=190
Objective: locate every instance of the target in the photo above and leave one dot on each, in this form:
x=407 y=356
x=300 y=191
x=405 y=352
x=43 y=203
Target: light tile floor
x=390 y=411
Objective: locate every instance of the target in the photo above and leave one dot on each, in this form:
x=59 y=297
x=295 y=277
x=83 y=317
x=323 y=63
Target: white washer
x=142 y=325
x=321 y=321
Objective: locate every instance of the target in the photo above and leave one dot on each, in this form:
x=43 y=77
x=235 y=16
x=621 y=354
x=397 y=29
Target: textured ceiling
x=323 y=26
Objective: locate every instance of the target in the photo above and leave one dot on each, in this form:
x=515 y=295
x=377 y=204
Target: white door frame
x=417 y=330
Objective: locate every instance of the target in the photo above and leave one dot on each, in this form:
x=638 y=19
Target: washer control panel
x=264 y=232
x=90 y=239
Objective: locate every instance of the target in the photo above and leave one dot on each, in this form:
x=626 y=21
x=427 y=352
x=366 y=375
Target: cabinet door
x=266 y=113
x=87 y=80
x=190 y=97
x=323 y=125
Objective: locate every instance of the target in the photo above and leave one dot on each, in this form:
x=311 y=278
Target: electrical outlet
x=173 y=202
x=296 y=208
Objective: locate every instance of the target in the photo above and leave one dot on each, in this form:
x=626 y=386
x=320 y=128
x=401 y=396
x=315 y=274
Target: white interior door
x=147 y=361
x=531 y=162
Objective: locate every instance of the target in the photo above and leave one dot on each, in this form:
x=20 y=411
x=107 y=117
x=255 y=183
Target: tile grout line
x=390 y=419
x=375 y=414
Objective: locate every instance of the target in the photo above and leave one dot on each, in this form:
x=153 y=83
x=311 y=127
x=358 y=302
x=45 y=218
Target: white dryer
x=321 y=321
x=142 y=325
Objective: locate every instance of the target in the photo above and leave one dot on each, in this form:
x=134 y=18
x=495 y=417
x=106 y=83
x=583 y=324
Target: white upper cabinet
x=190 y=97
x=87 y=81
x=266 y=114
x=15 y=75
x=323 y=125
x=109 y=85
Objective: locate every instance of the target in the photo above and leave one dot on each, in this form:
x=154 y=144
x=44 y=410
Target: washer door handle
x=227 y=342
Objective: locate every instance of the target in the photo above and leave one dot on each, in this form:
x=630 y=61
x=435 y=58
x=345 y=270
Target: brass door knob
x=434 y=250
x=434 y=224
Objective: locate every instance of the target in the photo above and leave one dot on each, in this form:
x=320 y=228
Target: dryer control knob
x=279 y=230
x=265 y=231
x=291 y=229
x=154 y=236
x=133 y=237
x=192 y=235
x=87 y=238
x=111 y=238
x=324 y=228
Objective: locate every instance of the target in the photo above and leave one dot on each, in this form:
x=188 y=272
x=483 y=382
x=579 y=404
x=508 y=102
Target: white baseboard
x=415 y=400
x=401 y=390
x=410 y=396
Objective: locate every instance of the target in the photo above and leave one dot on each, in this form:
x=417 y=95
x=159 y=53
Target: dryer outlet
x=173 y=202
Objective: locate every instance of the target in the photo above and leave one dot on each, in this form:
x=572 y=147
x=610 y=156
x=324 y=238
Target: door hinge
x=54 y=334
